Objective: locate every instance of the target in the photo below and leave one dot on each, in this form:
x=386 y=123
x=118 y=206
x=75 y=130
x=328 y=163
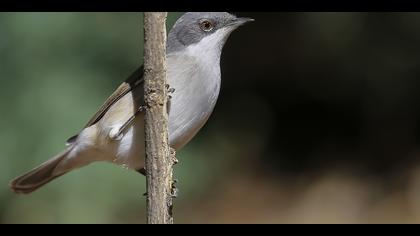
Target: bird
x=115 y=133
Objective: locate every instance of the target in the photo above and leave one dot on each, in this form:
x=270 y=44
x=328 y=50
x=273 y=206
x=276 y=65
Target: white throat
x=210 y=47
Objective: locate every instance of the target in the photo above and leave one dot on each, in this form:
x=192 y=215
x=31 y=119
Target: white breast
x=196 y=87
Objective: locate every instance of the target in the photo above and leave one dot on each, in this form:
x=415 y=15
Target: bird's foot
x=169 y=91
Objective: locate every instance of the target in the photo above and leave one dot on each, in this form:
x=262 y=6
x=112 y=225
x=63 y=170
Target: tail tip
x=18 y=189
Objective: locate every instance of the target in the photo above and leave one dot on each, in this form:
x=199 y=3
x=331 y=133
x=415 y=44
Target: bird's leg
x=116 y=133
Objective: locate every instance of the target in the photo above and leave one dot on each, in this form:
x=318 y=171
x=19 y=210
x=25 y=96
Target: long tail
x=40 y=175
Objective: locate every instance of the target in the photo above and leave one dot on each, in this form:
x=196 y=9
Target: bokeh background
x=318 y=120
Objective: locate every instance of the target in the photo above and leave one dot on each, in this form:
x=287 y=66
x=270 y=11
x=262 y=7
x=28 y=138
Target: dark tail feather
x=39 y=176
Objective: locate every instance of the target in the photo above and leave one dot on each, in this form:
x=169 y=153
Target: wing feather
x=128 y=85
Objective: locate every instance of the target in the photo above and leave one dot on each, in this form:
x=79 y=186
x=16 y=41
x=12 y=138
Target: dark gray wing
x=128 y=85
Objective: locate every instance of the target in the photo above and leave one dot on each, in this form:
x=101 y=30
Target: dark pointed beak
x=240 y=21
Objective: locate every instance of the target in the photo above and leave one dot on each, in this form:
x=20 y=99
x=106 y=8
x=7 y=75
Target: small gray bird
x=116 y=132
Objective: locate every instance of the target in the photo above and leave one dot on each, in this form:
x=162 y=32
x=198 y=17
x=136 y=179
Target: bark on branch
x=158 y=159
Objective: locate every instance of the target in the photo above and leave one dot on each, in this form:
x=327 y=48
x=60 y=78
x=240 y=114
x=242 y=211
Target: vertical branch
x=158 y=159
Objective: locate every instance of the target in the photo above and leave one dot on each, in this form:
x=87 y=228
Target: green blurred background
x=317 y=121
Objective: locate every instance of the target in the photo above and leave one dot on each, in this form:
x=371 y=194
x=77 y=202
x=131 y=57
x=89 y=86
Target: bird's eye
x=206 y=25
